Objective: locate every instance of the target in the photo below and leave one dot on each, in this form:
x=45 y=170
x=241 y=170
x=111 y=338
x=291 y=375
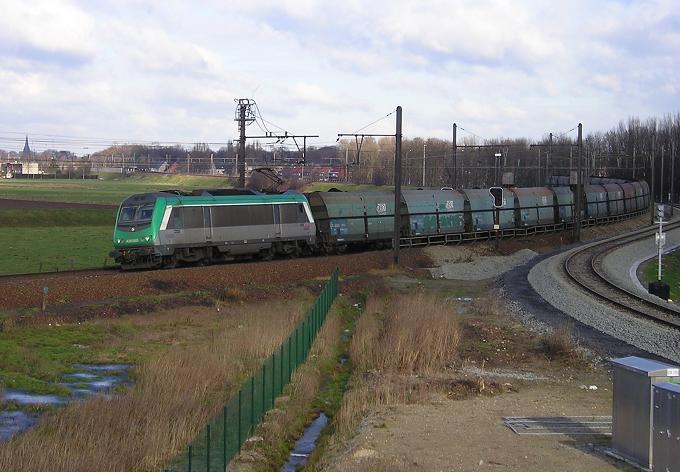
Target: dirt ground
x=469 y=435
x=454 y=432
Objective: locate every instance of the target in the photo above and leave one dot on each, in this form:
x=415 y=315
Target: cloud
x=142 y=70
x=47 y=31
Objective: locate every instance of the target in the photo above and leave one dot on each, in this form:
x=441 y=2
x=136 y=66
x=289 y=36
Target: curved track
x=584 y=267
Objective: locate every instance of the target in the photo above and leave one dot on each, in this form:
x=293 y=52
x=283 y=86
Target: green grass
x=110 y=190
x=33 y=358
x=57 y=217
x=36 y=249
x=670 y=272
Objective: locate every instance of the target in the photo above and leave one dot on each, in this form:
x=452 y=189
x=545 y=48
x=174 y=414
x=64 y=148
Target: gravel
x=479 y=267
x=547 y=279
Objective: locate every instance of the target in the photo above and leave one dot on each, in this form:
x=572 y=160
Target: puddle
x=305 y=444
x=89 y=380
x=12 y=422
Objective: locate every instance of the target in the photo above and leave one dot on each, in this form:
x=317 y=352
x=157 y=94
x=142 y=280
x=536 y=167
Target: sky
x=169 y=71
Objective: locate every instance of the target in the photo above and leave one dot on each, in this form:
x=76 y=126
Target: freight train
x=164 y=229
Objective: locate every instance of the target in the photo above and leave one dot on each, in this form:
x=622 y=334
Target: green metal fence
x=222 y=437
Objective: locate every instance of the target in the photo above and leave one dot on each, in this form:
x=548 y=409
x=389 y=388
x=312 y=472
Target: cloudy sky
x=170 y=70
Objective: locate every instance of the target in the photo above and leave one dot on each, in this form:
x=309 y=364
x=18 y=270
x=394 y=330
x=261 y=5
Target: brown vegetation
x=399 y=350
x=177 y=393
x=559 y=343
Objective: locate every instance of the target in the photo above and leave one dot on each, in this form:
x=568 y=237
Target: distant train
x=163 y=229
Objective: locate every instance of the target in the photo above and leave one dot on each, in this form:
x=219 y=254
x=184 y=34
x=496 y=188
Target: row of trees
x=632 y=149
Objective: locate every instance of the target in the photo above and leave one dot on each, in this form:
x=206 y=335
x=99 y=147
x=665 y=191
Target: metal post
x=224 y=438
x=252 y=404
x=239 y=421
x=497 y=233
x=281 y=371
x=274 y=378
x=288 y=361
x=189 y=458
x=398 y=185
x=662 y=175
x=548 y=157
x=208 y=447
x=580 y=186
x=659 y=251
x=264 y=371
x=651 y=195
x=423 y=177
x=454 y=153
x=241 y=157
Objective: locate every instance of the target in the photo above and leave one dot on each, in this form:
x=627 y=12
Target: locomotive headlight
x=147 y=238
x=118 y=240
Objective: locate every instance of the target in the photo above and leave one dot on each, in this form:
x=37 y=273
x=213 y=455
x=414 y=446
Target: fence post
x=189 y=458
x=281 y=370
x=252 y=405
x=288 y=360
x=264 y=370
x=224 y=438
x=208 y=447
x=238 y=437
x=274 y=377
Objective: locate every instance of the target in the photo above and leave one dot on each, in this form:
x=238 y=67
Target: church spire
x=27 y=150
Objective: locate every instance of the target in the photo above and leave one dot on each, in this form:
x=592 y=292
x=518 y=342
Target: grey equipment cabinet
x=665 y=427
x=632 y=407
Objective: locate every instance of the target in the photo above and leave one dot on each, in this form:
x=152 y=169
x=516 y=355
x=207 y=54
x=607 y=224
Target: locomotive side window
x=193 y=217
x=293 y=213
x=176 y=220
x=242 y=215
x=288 y=213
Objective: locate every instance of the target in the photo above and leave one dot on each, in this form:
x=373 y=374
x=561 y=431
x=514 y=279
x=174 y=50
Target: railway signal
x=497 y=194
x=659 y=288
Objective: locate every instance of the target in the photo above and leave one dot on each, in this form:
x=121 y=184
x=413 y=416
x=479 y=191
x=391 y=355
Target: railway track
x=584 y=267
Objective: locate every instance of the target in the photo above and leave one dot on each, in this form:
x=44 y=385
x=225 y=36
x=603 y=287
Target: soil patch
x=469 y=435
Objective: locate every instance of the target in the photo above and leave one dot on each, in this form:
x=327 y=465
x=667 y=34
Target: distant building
x=27 y=150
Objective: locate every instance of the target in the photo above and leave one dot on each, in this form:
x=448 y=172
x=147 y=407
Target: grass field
x=110 y=190
x=187 y=362
x=670 y=272
x=58 y=248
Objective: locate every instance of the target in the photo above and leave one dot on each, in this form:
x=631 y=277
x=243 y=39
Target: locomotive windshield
x=135 y=216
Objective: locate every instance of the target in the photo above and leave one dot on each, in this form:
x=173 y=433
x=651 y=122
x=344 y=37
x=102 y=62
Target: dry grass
x=399 y=349
x=177 y=393
x=559 y=343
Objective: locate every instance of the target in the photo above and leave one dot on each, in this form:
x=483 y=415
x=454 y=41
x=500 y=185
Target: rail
x=583 y=268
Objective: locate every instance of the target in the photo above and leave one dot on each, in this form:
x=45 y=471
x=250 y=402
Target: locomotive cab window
x=135 y=216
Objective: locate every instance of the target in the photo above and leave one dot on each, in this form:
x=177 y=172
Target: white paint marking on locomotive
x=166 y=217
